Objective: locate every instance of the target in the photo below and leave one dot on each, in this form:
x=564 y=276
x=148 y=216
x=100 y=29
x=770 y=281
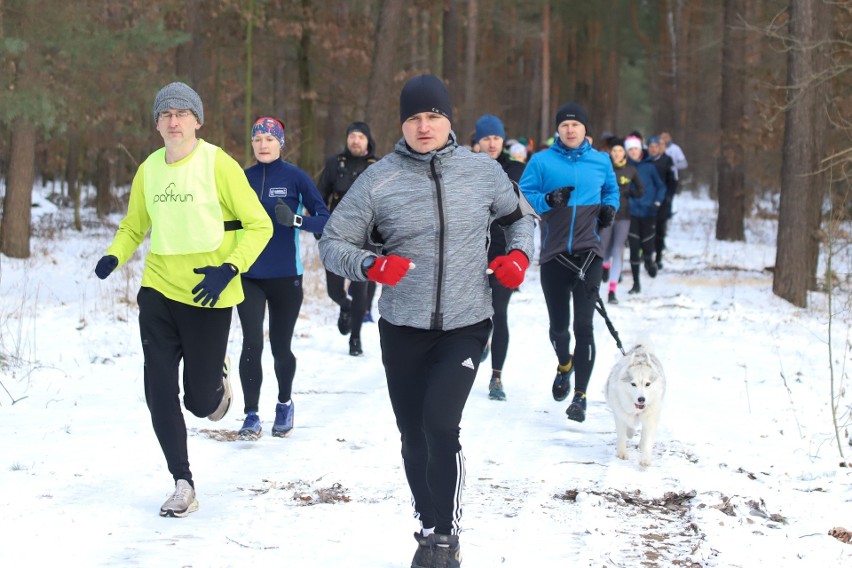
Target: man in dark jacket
x=666 y=168
x=340 y=172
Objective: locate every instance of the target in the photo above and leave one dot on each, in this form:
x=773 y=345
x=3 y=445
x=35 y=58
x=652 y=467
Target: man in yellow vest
x=193 y=197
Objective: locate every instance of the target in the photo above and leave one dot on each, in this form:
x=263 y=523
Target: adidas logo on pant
x=468 y=363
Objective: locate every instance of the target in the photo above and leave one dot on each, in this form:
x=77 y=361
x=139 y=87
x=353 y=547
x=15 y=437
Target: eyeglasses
x=166 y=116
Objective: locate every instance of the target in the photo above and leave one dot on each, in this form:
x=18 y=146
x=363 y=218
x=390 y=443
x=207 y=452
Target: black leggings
x=500 y=296
x=560 y=285
x=171 y=332
x=429 y=376
x=284 y=297
x=356 y=307
x=641 y=238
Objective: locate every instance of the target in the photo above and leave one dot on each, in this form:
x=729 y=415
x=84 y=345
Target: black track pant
x=429 y=375
x=171 y=332
x=284 y=298
x=500 y=296
x=664 y=213
x=561 y=285
x=356 y=307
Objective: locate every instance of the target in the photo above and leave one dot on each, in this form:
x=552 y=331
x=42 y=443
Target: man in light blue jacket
x=573 y=187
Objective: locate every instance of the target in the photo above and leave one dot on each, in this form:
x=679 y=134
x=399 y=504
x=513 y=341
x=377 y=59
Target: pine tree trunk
x=450 y=52
x=730 y=222
x=17 y=206
x=546 y=119
x=381 y=88
x=464 y=123
x=307 y=100
x=103 y=183
x=802 y=188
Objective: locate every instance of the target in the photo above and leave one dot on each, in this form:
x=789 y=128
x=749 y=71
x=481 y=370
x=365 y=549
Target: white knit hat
x=632 y=142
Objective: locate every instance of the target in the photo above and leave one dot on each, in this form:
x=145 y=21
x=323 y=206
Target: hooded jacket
x=340 y=172
x=572 y=229
x=655 y=189
x=434 y=209
x=514 y=170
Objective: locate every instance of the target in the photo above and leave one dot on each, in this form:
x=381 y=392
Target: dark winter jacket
x=280 y=180
x=655 y=189
x=514 y=170
x=572 y=229
x=434 y=209
x=666 y=168
x=341 y=171
x=629 y=185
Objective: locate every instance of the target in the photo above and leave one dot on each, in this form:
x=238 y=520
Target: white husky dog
x=635 y=390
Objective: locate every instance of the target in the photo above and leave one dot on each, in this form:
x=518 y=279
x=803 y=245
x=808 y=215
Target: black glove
x=559 y=197
x=105 y=266
x=606 y=216
x=285 y=215
x=216 y=278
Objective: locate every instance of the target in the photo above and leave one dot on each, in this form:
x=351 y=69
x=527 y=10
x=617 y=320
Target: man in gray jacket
x=429 y=205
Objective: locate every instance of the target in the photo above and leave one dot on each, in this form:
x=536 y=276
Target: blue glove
x=216 y=278
x=105 y=266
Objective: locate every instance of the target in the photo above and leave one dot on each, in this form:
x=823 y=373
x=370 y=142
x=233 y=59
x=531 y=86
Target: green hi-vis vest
x=183 y=203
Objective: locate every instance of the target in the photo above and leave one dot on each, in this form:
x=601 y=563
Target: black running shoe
x=651 y=267
x=562 y=383
x=577 y=409
x=355 y=346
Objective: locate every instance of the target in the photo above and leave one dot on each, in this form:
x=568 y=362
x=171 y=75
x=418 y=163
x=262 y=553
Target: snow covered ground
x=746 y=469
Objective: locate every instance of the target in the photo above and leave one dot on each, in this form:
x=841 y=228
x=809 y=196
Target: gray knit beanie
x=178 y=96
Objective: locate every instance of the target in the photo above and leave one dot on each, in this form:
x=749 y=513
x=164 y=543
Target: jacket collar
x=405 y=150
x=571 y=152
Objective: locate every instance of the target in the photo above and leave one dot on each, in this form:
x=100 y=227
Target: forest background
x=757 y=93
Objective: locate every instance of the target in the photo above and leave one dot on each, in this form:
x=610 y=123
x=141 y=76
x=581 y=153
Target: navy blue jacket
x=281 y=180
x=655 y=189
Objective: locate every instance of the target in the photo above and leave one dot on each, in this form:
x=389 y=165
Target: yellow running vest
x=183 y=203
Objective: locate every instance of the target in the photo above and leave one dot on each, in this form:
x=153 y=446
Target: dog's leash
x=600 y=309
x=598 y=301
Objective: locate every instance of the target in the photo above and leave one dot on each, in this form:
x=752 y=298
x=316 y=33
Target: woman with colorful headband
x=275 y=279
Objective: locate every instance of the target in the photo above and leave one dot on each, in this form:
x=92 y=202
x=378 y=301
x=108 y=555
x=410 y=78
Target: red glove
x=510 y=269
x=389 y=269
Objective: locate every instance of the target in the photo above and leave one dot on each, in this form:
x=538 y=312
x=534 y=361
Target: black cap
x=361 y=127
x=572 y=111
x=424 y=93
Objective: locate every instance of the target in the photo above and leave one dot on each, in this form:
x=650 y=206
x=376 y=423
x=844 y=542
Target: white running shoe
x=182 y=502
x=225 y=403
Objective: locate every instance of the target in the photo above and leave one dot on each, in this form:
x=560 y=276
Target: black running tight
x=500 y=296
x=562 y=287
x=284 y=298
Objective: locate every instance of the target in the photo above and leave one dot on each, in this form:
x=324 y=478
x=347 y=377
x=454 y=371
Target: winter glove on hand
x=216 y=278
x=558 y=197
x=509 y=269
x=606 y=216
x=389 y=269
x=285 y=215
x=105 y=266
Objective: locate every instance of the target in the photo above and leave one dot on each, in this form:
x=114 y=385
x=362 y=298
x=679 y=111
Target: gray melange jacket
x=435 y=209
